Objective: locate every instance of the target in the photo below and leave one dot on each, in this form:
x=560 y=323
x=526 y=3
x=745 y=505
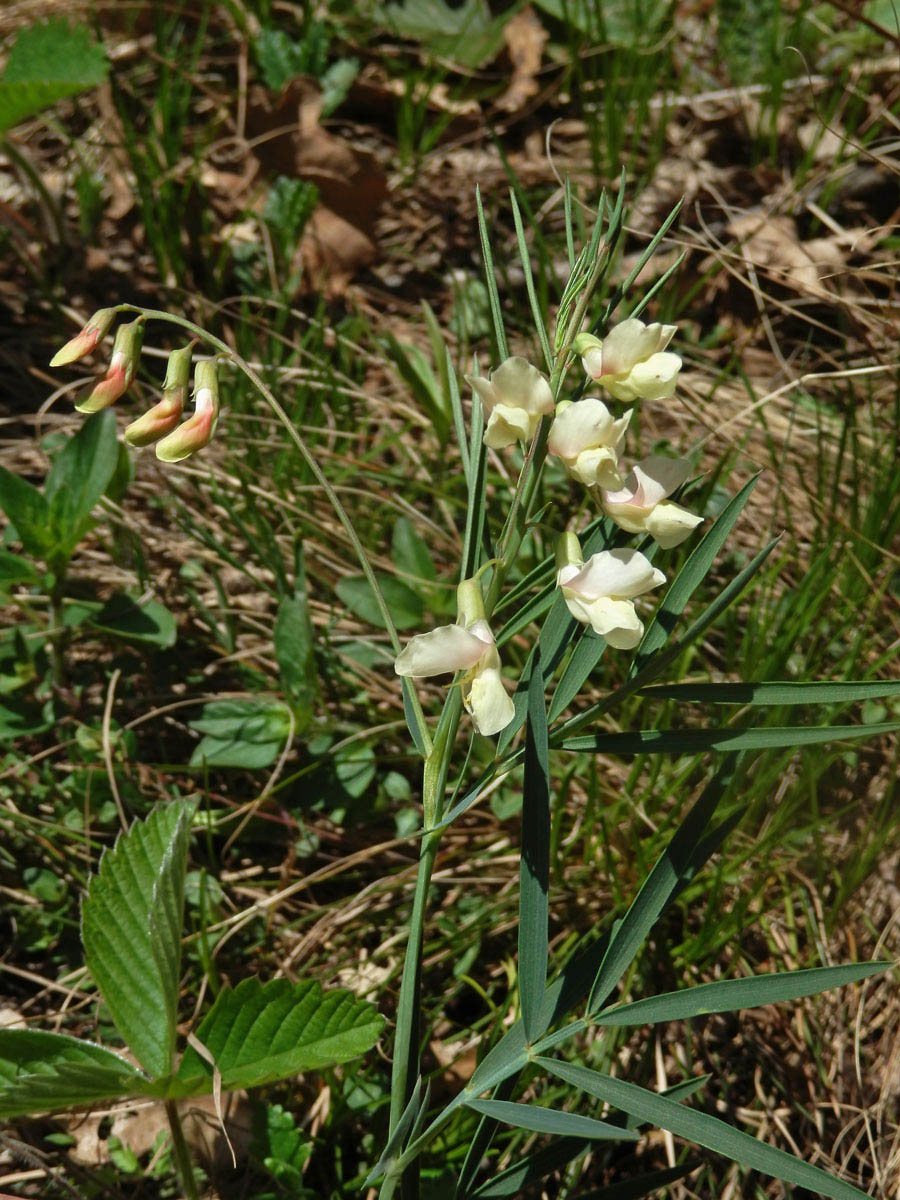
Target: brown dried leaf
x=525 y=37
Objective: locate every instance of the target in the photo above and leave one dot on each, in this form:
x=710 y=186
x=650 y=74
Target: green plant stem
x=319 y=475
x=183 y=1162
x=405 y=1065
x=58 y=633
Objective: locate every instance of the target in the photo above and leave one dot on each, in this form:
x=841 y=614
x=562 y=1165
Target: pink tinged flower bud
x=602 y=591
x=631 y=362
x=163 y=417
x=197 y=430
x=514 y=397
x=85 y=341
x=125 y=355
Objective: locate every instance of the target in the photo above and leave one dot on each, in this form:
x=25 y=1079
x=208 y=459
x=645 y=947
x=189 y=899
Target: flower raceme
x=466 y=646
x=587 y=437
x=601 y=592
x=641 y=504
x=631 y=362
x=515 y=397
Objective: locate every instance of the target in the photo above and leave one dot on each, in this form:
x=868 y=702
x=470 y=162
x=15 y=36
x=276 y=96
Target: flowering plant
x=591 y=590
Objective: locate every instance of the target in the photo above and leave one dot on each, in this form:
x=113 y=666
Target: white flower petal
x=628 y=343
x=657 y=477
x=622 y=574
x=489 y=702
x=592 y=361
x=508 y=425
x=617 y=621
x=669 y=524
x=449 y=648
x=582 y=426
x=597 y=468
x=517 y=383
x=630 y=517
x=655 y=377
x=484 y=389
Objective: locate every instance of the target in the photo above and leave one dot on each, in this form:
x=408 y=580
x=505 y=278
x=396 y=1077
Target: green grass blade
x=525 y=256
x=578 y=669
x=704 y=1130
x=490 y=279
x=459 y=419
x=698 y=741
x=551 y=1120
x=728 y=995
x=658 y=888
x=534 y=877
x=532 y=1167
x=641 y=1185
x=774 y=693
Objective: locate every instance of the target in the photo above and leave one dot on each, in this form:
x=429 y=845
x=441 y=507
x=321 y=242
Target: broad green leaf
x=658 y=889
x=405 y=606
x=465 y=33
x=551 y=1120
x=29 y=512
x=15 y=569
x=48 y=62
x=410 y=554
x=128 y=908
x=43 y=1072
x=294 y=641
x=79 y=476
x=534 y=876
x=258 y=1033
x=727 y=995
x=166 y=921
x=697 y=741
x=695 y=569
x=775 y=693
x=241 y=733
x=703 y=1129
x=145 y=621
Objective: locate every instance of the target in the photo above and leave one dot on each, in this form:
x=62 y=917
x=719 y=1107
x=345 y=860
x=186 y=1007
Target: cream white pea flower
x=601 y=592
x=586 y=436
x=641 y=506
x=515 y=397
x=632 y=362
x=466 y=646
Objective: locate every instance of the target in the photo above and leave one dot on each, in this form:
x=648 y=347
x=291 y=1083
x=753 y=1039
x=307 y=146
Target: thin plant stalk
x=180 y=1152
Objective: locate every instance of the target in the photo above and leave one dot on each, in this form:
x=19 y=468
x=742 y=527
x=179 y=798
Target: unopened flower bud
x=568 y=550
x=125 y=355
x=197 y=430
x=85 y=341
x=163 y=417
